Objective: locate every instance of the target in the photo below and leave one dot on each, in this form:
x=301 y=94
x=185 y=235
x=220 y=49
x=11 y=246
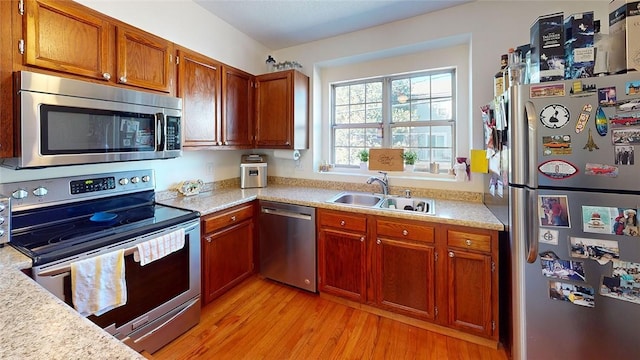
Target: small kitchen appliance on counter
x=253 y=171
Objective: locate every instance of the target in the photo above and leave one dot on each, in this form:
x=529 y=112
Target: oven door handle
x=67 y=268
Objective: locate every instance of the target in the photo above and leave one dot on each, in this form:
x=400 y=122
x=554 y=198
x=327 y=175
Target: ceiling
x=279 y=24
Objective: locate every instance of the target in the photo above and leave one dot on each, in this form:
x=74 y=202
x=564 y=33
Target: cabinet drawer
x=405 y=231
x=465 y=240
x=225 y=218
x=343 y=221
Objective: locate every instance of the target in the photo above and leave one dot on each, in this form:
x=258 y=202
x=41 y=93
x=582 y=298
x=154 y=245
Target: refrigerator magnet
x=625 y=136
x=553 y=210
x=554 y=116
x=562 y=269
x=557 y=169
x=624 y=284
x=599 y=250
x=575 y=294
x=601 y=170
x=591 y=144
x=583 y=118
x=548 y=236
x=632 y=88
x=546 y=90
x=556 y=145
x=607 y=96
x=602 y=123
x=624 y=155
x=578 y=89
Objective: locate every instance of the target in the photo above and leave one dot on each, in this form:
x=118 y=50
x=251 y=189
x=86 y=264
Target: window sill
x=417 y=175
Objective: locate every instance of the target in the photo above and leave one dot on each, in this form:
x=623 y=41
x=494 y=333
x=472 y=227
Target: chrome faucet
x=384 y=182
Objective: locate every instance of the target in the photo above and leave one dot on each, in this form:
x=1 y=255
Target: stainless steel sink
x=357 y=199
x=421 y=205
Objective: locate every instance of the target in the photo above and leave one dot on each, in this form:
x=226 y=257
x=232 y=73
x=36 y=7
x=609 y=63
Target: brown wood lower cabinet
x=443 y=274
x=227 y=250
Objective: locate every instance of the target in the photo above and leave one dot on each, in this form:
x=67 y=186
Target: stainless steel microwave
x=67 y=122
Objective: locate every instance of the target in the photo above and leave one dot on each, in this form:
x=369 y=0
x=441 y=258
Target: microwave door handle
x=160 y=128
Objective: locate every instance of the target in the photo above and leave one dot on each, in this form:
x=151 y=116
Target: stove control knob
x=41 y=191
x=146 y=178
x=135 y=180
x=123 y=181
x=20 y=194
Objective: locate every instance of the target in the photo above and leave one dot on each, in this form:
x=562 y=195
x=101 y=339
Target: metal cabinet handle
x=106 y=76
x=362 y=239
x=123 y=79
x=378 y=242
x=343 y=223
x=468 y=242
x=451 y=254
x=208 y=238
x=233 y=218
x=405 y=232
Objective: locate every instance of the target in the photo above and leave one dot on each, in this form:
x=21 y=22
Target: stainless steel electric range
x=59 y=221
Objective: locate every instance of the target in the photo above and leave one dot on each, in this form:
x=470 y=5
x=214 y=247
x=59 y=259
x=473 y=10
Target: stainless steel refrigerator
x=564 y=180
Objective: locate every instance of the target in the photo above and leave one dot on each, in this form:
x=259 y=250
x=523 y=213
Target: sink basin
x=357 y=199
x=421 y=205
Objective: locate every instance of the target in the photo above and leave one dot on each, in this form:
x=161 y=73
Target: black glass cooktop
x=58 y=232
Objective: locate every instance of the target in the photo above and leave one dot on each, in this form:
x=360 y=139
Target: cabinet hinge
x=21 y=7
x=177 y=60
x=493 y=326
x=436 y=311
x=436 y=253
x=493 y=266
x=21 y=46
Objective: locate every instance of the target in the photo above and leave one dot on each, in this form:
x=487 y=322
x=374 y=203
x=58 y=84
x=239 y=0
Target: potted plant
x=363 y=155
x=410 y=158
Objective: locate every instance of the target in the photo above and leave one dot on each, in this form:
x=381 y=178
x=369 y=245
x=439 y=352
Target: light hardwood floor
x=260 y=319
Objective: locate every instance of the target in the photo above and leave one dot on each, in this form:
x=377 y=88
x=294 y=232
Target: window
x=411 y=111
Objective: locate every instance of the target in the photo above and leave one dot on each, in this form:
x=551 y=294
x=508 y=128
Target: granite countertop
x=37 y=325
x=465 y=213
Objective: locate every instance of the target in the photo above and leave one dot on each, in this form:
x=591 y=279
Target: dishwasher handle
x=285 y=213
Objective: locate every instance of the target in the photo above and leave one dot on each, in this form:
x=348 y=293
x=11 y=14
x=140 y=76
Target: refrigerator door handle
x=531 y=116
x=532 y=229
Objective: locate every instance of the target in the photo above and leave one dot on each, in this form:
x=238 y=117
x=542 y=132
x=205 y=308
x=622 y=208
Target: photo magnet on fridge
x=556 y=145
x=610 y=220
x=553 y=211
x=548 y=236
x=602 y=251
x=632 y=88
x=607 y=96
x=624 y=155
x=562 y=269
x=575 y=294
x=624 y=284
x=557 y=169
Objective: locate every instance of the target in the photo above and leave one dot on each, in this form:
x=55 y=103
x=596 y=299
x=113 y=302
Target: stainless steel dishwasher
x=288 y=244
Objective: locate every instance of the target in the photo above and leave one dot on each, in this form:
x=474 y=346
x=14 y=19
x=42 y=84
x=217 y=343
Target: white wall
x=486 y=28
x=473 y=35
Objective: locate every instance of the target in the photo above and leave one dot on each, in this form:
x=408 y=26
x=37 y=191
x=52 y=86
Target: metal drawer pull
x=233 y=218
x=362 y=239
x=451 y=254
x=468 y=242
x=343 y=223
x=405 y=232
x=378 y=242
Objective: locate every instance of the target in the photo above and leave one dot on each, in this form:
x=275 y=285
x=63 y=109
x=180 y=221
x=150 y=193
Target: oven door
x=163 y=297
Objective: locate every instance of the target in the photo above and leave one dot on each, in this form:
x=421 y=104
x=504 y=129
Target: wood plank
x=262 y=319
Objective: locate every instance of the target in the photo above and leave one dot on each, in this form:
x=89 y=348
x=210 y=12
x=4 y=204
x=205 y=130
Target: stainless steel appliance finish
x=253 y=171
x=288 y=244
x=64 y=122
x=54 y=224
x=5 y=219
x=574 y=313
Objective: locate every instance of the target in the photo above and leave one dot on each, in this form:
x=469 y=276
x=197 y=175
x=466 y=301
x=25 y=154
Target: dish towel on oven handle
x=98 y=283
x=159 y=247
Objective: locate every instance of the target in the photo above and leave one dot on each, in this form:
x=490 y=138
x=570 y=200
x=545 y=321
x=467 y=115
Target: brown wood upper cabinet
x=282 y=115
x=65 y=36
x=199 y=88
x=237 y=108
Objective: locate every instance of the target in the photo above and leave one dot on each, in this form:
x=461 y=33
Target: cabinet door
x=63 y=36
x=199 y=88
x=405 y=277
x=342 y=263
x=237 y=108
x=227 y=259
x=469 y=292
x=274 y=110
x=143 y=60
x=6 y=88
